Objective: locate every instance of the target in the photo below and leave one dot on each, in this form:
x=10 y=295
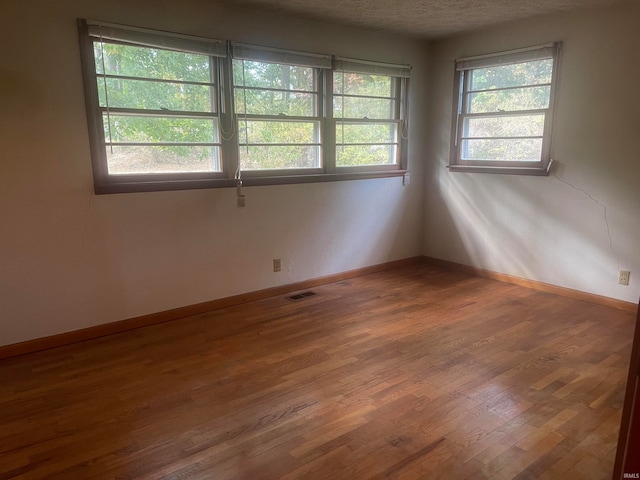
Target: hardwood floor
x=413 y=373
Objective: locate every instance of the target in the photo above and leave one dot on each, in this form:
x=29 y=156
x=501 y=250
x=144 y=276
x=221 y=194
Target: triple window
x=503 y=111
x=170 y=111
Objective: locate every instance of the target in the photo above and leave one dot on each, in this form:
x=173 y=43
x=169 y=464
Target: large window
x=369 y=112
x=504 y=111
x=171 y=111
x=152 y=103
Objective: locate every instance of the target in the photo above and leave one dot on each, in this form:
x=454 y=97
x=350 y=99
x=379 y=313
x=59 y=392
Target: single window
x=277 y=103
x=503 y=111
x=368 y=113
x=154 y=105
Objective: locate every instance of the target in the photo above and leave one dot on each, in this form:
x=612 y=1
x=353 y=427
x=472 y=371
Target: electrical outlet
x=623 y=279
x=276 y=265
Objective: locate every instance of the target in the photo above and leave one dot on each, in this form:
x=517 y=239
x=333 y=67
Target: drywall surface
x=70 y=259
x=550 y=229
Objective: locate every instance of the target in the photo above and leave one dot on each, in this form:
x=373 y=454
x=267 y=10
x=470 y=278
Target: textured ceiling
x=424 y=18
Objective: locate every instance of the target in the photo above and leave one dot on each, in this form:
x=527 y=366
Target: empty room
x=265 y=239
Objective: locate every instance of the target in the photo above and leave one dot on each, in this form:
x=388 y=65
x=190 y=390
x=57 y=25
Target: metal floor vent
x=300 y=296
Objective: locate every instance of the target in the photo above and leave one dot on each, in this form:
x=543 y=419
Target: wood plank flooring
x=418 y=372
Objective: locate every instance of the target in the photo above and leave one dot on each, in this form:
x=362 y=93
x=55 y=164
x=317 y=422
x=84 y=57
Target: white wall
x=538 y=227
x=70 y=259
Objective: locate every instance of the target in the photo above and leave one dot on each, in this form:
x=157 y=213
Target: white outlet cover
x=623 y=279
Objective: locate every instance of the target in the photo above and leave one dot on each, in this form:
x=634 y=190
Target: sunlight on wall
x=550 y=229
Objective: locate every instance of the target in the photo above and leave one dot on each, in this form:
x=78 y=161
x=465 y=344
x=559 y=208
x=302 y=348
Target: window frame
x=399 y=75
x=105 y=183
x=464 y=68
x=319 y=64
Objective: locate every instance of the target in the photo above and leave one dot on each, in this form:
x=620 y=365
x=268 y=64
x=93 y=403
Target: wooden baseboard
x=535 y=285
x=89 y=333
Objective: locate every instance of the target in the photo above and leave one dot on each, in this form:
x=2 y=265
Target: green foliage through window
x=357 y=99
x=274 y=92
x=170 y=109
x=504 y=111
x=136 y=82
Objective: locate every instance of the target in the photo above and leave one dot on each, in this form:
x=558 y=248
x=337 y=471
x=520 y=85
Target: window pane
x=526 y=150
x=366 y=133
x=512 y=126
x=354 y=107
x=125 y=128
x=151 y=63
x=279 y=157
x=361 y=84
x=517 y=74
x=272 y=75
x=268 y=131
x=354 y=155
x=531 y=98
x=265 y=102
x=155 y=95
x=162 y=159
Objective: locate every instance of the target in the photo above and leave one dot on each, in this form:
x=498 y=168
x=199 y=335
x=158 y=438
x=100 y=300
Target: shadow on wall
x=355 y=226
